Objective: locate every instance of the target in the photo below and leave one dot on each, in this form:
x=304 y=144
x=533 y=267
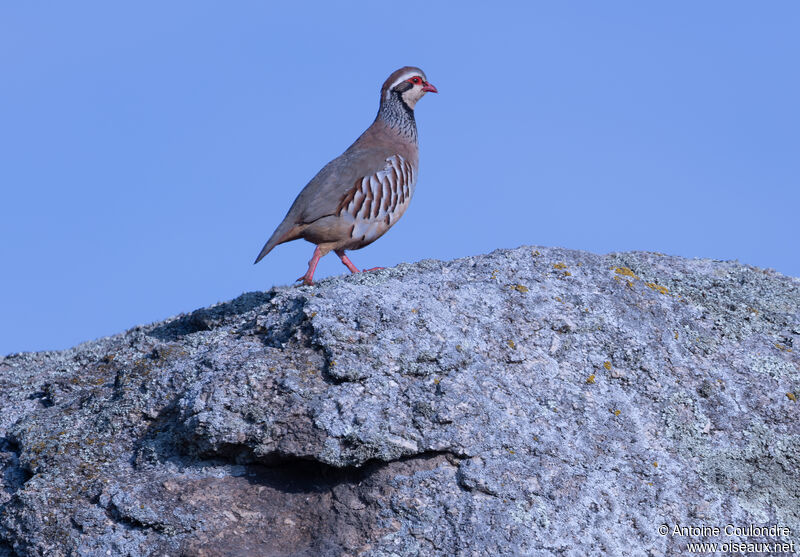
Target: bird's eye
x=416 y=80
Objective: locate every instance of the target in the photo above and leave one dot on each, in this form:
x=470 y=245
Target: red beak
x=429 y=88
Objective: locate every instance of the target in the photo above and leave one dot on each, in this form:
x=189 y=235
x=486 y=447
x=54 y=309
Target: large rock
x=527 y=402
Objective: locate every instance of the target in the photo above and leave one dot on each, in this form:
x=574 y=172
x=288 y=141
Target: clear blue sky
x=148 y=149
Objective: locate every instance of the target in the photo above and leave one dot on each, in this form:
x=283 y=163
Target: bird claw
x=308 y=282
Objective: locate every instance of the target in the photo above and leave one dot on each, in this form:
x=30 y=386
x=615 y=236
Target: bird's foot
x=312 y=265
x=346 y=261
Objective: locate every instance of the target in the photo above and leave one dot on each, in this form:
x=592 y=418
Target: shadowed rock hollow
x=526 y=402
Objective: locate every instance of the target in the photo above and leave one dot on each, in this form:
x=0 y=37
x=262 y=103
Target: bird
x=363 y=192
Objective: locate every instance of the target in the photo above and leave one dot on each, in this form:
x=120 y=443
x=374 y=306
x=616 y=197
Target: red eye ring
x=415 y=80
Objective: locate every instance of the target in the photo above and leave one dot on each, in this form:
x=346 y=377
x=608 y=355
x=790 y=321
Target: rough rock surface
x=527 y=402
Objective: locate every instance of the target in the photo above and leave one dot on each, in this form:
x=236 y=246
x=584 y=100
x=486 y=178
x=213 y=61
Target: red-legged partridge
x=359 y=195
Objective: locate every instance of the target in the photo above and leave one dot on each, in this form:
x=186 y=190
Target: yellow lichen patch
x=536 y=253
x=607 y=365
x=494 y=274
x=313 y=314
x=511 y=451
x=628 y=283
x=559 y=266
x=590 y=379
x=558 y=298
x=436 y=381
x=752 y=310
x=519 y=288
x=414 y=310
x=782 y=347
x=567 y=274
x=625 y=271
x=655 y=464
x=791 y=396
x=512 y=345
x=616 y=412
x=676 y=335
x=654 y=286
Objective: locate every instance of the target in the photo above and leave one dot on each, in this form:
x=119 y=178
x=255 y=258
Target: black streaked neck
x=398 y=116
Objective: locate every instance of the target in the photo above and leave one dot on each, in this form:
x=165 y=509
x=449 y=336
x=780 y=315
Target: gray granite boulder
x=526 y=402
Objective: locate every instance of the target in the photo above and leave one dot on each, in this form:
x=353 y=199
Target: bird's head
x=409 y=84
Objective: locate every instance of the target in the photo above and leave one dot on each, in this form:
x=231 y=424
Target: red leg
x=346 y=261
x=312 y=265
x=349 y=264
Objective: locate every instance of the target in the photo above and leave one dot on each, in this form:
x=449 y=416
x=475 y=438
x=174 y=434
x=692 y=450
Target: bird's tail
x=285 y=232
